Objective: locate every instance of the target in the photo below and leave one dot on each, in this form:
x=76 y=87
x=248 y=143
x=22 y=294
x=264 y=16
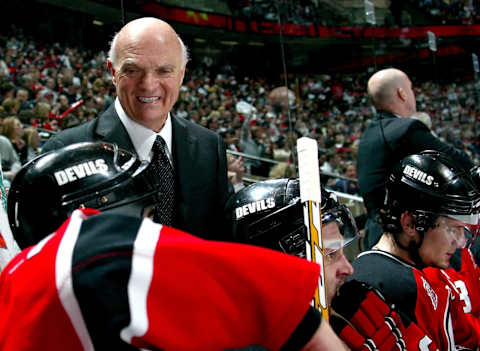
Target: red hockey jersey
x=465 y=286
x=107 y=282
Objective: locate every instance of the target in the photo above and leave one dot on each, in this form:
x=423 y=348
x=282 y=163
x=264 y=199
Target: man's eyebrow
x=127 y=63
x=168 y=66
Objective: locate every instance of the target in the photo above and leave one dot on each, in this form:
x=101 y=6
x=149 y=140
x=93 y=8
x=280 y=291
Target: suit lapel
x=184 y=151
x=111 y=129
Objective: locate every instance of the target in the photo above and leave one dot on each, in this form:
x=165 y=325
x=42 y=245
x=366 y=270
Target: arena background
x=240 y=31
x=282 y=42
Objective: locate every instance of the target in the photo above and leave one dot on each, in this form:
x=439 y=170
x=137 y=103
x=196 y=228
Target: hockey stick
x=310 y=195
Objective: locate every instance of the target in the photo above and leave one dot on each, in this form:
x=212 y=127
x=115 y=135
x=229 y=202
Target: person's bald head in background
x=391 y=90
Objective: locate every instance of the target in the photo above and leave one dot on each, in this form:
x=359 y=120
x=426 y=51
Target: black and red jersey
x=409 y=289
x=111 y=282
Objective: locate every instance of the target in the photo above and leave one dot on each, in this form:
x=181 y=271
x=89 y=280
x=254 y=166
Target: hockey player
x=463 y=278
x=463 y=275
x=117 y=281
x=429 y=202
x=270 y=214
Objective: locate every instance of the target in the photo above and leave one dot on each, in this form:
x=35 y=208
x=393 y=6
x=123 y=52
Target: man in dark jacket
x=147 y=61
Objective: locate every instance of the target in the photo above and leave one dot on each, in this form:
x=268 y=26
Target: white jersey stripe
x=140 y=279
x=63 y=279
x=448 y=327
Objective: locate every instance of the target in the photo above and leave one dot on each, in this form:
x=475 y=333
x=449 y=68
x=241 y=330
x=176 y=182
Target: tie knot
x=159 y=143
x=159 y=147
x=160 y=151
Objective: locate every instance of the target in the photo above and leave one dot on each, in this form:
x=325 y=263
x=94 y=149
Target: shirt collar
x=143 y=138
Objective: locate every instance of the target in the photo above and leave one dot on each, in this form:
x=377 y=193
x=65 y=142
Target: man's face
x=351 y=171
x=441 y=242
x=50 y=83
x=337 y=266
x=147 y=75
x=22 y=95
x=63 y=100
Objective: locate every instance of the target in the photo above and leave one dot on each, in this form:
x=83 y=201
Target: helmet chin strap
x=423 y=222
x=413 y=247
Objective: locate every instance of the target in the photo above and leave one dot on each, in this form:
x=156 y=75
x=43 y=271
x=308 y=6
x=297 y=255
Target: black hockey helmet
x=270 y=214
x=92 y=174
x=430 y=184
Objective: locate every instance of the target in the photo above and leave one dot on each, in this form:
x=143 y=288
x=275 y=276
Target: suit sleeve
x=420 y=138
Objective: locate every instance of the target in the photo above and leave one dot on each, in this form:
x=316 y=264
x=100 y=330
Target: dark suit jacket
x=387 y=140
x=200 y=166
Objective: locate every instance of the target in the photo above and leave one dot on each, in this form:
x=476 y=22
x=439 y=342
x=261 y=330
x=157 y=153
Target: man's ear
x=112 y=72
x=408 y=224
x=401 y=94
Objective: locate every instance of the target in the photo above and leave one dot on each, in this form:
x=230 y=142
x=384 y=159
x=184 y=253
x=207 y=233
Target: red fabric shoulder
x=241 y=294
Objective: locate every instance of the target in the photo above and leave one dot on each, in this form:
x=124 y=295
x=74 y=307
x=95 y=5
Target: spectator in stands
x=104 y=99
x=281 y=150
x=283 y=169
x=42 y=112
x=230 y=138
x=10 y=161
x=32 y=142
x=49 y=89
x=22 y=97
x=236 y=169
x=26 y=82
x=325 y=162
x=390 y=137
x=348 y=185
x=11 y=106
x=13 y=130
x=4 y=71
x=62 y=105
x=69 y=91
x=7 y=90
x=250 y=143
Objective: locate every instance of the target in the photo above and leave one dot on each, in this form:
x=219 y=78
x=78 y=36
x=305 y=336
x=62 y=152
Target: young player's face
x=337 y=266
x=441 y=241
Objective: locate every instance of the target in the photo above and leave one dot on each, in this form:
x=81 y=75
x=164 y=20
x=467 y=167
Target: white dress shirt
x=143 y=138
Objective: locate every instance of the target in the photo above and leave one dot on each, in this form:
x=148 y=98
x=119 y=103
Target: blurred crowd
x=304 y=12
x=307 y=12
x=44 y=89
x=450 y=11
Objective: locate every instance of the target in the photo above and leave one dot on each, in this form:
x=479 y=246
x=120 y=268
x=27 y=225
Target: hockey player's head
x=85 y=175
x=431 y=207
x=270 y=214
